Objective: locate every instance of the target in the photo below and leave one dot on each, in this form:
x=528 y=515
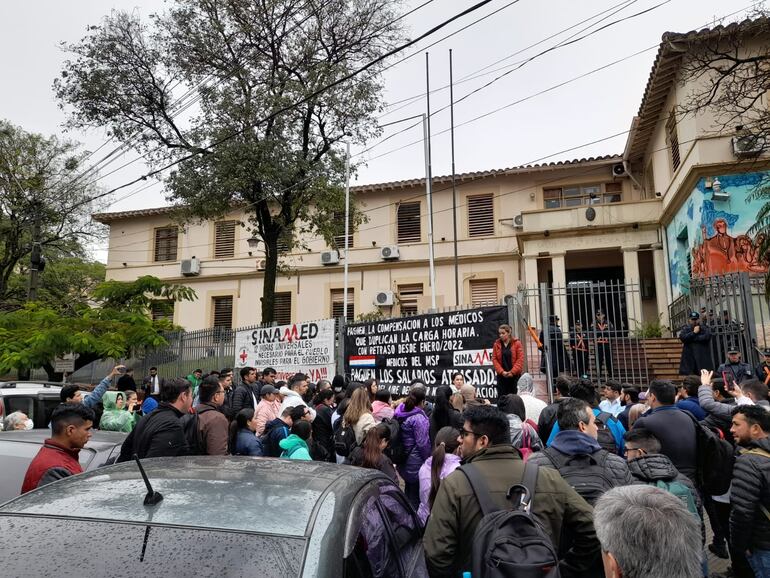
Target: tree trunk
x=271 y=272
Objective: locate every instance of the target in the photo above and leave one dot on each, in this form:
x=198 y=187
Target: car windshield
x=197 y=494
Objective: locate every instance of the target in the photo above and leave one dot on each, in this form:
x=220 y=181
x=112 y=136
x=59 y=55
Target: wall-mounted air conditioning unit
x=191 y=267
x=261 y=264
x=330 y=258
x=389 y=252
x=518 y=221
x=618 y=170
x=384 y=298
x=749 y=145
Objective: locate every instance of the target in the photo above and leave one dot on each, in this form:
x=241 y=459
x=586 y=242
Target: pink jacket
x=451 y=463
x=381 y=410
x=266 y=411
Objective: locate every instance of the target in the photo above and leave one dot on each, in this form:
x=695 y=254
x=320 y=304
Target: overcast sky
x=535 y=130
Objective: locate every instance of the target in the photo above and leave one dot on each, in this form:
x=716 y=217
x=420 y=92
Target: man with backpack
x=213 y=426
x=466 y=517
x=750 y=491
x=577 y=455
x=275 y=431
x=160 y=433
x=648 y=466
x=674 y=428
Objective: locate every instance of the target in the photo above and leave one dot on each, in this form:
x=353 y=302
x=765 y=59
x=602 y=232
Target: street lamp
x=253 y=242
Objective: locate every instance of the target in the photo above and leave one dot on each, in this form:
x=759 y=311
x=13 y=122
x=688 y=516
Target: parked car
x=233 y=516
x=17 y=448
x=37 y=399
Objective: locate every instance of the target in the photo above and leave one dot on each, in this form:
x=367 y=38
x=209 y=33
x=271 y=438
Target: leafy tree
x=729 y=78
x=247 y=61
x=40 y=177
x=116 y=322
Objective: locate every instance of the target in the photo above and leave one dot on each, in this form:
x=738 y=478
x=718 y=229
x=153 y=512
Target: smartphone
x=122 y=370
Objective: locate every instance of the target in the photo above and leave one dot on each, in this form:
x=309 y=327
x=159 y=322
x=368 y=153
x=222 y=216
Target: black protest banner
x=429 y=348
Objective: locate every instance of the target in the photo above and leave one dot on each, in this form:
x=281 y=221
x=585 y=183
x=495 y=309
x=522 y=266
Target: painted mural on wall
x=708 y=237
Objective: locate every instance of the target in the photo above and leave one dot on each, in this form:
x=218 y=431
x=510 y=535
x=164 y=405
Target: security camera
x=658 y=194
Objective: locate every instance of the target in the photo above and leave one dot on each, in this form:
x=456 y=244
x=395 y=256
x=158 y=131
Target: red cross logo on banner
x=243 y=355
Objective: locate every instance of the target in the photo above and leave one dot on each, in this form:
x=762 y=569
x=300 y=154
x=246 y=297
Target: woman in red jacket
x=508 y=360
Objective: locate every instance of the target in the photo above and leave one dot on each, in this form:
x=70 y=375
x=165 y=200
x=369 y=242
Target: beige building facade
x=626 y=218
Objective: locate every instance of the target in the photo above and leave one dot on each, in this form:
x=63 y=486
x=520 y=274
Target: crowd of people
x=625 y=478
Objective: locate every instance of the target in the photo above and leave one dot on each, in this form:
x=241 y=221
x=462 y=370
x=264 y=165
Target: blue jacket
x=692 y=405
x=277 y=430
x=246 y=443
x=96 y=395
x=614 y=426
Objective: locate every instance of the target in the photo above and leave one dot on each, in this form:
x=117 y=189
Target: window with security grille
x=483 y=292
x=166 y=241
x=224 y=239
x=408 y=296
x=162 y=309
x=481 y=215
x=576 y=195
x=339 y=226
x=672 y=138
x=223 y=311
x=409 y=223
x=338 y=304
x=282 y=308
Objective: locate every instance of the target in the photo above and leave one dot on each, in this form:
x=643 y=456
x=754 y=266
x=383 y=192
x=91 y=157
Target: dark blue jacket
x=676 y=432
x=614 y=425
x=246 y=443
x=276 y=431
x=692 y=405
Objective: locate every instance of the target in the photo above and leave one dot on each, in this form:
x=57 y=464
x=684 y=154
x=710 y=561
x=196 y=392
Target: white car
x=37 y=399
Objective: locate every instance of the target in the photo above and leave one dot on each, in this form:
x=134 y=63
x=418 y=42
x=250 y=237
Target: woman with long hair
x=523 y=435
x=371 y=454
x=444 y=414
x=507 y=359
x=358 y=414
x=243 y=437
x=443 y=461
x=381 y=408
x=323 y=434
x=371 y=388
x=415 y=437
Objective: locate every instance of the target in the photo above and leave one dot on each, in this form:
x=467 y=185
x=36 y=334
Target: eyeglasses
x=626 y=451
x=464 y=433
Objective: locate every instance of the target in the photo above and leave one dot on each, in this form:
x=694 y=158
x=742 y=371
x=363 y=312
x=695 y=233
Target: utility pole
x=454 y=180
x=428 y=186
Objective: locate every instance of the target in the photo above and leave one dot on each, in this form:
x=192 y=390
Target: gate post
x=750 y=326
x=340 y=353
x=545 y=312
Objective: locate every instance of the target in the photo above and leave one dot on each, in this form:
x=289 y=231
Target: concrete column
x=661 y=294
x=530 y=282
x=633 y=287
x=560 y=289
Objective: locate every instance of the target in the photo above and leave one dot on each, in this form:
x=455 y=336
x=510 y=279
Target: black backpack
x=714 y=459
x=395 y=450
x=604 y=436
x=510 y=543
x=344 y=438
x=192 y=433
x=584 y=472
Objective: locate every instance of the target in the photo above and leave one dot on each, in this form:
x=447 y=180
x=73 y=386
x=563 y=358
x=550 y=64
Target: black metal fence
x=734 y=308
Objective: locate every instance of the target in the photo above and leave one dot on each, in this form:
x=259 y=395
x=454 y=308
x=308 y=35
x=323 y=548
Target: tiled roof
x=673 y=47
x=461 y=177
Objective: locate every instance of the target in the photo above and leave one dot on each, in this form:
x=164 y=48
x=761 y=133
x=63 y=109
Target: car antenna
x=152 y=496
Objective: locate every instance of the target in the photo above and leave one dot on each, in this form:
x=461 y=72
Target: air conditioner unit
x=330 y=258
x=384 y=298
x=518 y=221
x=618 y=170
x=389 y=252
x=261 y=264
x=191 y=267
x=749 y=145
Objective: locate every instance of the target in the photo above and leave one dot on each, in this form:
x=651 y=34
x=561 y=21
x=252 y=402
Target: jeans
x=760 y=563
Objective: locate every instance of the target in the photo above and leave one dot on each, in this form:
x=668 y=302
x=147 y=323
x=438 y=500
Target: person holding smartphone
x=734 y=371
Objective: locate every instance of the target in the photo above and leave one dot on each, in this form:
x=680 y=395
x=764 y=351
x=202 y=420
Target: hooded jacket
x=415 y=436
x=214 y=429
x=53 y=462
x=517 y=428
x=451 y=463
x=294 y=448
x=114 y=419
x=381 y=410
x=456 y=513
x=266 y=412
x=276 y=431
x=573 y=443
x=157 y=435
x=652 y=468
x=532 y=405
x=749 y=525
x=292 y=399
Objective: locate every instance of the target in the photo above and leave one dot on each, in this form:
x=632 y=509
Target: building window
x=223 y=311
x=408 y=296
x=338 y=304
x=282 y=308
x=339 y=225
x=284 y=242
x=672 y=139
x=162 y=309
x=576 y=195
x=224 y=239
x=166 y=241
x=481 y=215
x=483 y=292
x=409 y=224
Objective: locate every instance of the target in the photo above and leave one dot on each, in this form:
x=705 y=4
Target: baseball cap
x=266 y=389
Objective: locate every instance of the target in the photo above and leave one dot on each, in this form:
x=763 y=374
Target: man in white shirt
x=611 y=402
x=293 y=394
x=532 y=405
x=152 y=383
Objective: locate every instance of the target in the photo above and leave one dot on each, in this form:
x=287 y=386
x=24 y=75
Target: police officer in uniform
x=578 y=342
x=734 y=370
x=763 y=369
x=601 y=329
